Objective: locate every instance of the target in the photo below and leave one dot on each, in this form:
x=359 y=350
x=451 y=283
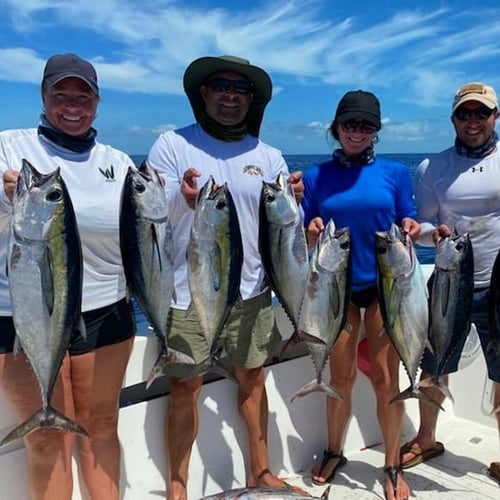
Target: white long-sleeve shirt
x=464 y=194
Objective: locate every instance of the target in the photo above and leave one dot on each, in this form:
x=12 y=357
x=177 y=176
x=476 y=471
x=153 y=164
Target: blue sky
x=413 y=54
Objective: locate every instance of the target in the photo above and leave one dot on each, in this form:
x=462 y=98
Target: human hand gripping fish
x=9 y=182
x=189 y=186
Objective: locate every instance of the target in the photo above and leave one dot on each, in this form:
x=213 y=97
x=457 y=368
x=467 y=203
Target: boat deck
x=459 y=474
x=297 y=431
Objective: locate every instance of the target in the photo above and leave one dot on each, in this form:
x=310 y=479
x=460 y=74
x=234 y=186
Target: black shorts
x=105 y=326
x=363 y=298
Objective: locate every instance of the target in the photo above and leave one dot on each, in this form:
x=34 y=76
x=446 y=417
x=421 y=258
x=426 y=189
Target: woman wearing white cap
x=89 y=382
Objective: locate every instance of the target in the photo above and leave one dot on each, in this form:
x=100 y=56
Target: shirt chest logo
x=108 y=173
x=253 y=170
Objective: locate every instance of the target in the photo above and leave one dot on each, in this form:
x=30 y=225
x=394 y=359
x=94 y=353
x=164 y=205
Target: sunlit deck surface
x=460 y=473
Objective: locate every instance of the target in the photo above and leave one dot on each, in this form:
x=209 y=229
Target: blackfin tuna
x=45 y=272
x=403 y=296
x=324 y=308
x=147 y=250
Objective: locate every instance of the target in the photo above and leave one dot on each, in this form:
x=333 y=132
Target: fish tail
x=217 y=367
x=42 y=419
x=289 y=346
x=167 y=356
x=440 y=384
x=415 y=392
x=326 y=493
x=311 y=339
x=317 y=386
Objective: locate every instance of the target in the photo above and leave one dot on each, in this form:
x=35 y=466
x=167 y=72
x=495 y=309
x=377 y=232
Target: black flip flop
x=327 y=456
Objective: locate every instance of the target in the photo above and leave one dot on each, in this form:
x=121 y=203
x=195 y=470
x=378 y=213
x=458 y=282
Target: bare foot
x=176 y=491
x=267 y=479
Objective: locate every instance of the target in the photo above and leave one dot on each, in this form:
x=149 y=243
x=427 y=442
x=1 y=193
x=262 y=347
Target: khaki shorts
x=248 y=339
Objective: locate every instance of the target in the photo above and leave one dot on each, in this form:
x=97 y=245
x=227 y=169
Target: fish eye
x=140 y=187
x=221 y=204
x=54 y=195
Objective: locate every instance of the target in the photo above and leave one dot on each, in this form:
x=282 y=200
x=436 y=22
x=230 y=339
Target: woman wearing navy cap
x=89 y=382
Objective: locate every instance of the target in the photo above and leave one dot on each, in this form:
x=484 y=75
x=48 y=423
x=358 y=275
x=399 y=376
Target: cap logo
x=471 y=88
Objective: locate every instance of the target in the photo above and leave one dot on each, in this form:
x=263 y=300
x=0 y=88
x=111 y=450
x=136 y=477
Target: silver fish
x=283 y=248
x=264 y=493
x=147 y=250
x=324 y=307
x=214 y=262
x=494 y=305
x=45 y=270
x=451 y=289
x=404 y=302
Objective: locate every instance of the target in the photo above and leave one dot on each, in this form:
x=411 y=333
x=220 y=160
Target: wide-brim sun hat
x=199 y=71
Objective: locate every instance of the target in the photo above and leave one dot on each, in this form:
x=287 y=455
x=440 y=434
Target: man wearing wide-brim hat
x=228 y=96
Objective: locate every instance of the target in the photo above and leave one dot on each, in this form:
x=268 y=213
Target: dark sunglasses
x=354 y=125
x=482 y=113
x=242 y=87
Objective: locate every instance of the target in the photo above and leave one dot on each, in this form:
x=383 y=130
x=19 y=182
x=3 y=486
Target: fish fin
x=47 y=278
x=383 y=331
x=445 y=293
x=289 y=346
x=82 y=328
x=17 y=347
x=166 y=358
x=155 y=247
x=326 y=493
x=317 y=386
x=44 y=418
x=335 y=297
x=429 y=347
x=438 y=382
x=216 y=268
x=414 y=392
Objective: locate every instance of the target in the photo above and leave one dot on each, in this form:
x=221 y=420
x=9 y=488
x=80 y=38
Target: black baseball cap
x=359 y=105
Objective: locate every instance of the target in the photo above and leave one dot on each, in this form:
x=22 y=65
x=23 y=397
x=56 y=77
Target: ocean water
x=303 y=162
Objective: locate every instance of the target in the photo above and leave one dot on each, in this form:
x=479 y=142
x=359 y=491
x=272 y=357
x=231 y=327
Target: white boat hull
x=297 y=432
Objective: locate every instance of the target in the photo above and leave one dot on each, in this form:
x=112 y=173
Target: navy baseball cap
x=62 y=66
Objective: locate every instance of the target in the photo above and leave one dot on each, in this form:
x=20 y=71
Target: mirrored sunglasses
x=464 y=114
x=242 y=87
x=357 y=125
